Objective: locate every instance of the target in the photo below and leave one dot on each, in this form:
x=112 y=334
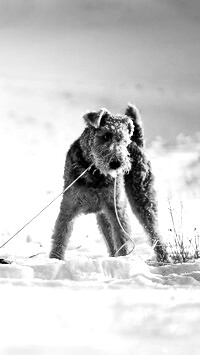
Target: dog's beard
x=103 y=165
x=114 y=173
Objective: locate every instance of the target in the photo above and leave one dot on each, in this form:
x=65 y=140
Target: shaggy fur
x=114 y=144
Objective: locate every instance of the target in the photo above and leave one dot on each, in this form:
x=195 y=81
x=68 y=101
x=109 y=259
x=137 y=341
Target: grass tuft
x=182 y=248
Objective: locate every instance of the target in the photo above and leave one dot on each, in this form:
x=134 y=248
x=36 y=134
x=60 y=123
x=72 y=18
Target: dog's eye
x=107 y=136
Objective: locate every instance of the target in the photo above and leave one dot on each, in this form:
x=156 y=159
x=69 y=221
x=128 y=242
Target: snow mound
x=99 y=270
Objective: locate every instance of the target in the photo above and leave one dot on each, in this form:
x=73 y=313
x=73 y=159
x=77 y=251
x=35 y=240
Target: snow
x=94 y=304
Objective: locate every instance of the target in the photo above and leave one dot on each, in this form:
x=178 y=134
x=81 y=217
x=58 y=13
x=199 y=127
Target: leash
x=118 y=220
x=49 y=204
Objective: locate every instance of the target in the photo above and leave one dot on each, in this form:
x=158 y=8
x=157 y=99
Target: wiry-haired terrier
x=113 y=145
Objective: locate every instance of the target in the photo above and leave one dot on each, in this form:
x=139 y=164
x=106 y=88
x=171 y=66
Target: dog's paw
x=56 y=255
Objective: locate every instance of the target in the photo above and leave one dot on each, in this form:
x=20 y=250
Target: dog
x=112 y=151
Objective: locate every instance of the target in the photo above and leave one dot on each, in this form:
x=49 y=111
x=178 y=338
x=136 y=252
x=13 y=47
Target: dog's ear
x=96 y=118
x=133 y=113
x=138 y=134
x=130 y=127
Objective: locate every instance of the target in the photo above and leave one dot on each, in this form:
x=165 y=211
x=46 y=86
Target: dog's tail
x=138 y=133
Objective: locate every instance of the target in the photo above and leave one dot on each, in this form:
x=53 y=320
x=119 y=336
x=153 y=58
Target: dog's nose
x=114 y=164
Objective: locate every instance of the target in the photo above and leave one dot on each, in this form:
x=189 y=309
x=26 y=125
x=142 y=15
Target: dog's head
x=110 y=136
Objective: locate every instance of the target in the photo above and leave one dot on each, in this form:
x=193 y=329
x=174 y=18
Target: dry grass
x=182 y=248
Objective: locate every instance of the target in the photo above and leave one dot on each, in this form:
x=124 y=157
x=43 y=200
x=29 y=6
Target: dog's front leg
x=105 y=228
x=117 y=213
x=63 y=227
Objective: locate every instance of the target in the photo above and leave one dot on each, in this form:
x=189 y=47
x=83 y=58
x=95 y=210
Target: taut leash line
x=49 y=204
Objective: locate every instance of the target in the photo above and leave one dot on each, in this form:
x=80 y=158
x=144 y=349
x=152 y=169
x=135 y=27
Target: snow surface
x=94 y=304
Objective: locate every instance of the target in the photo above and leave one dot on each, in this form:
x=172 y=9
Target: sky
x=110 y=52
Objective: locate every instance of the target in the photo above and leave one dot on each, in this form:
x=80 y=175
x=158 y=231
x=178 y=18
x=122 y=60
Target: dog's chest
x=95 y=180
